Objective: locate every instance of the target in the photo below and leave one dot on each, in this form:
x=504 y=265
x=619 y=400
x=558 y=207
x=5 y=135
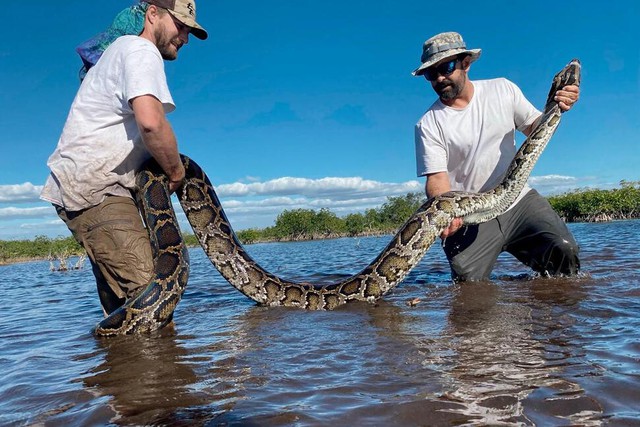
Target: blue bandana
x=130 y=21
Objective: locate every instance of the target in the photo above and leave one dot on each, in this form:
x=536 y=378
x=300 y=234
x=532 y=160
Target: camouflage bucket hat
x=442 y=46
x=185 y=12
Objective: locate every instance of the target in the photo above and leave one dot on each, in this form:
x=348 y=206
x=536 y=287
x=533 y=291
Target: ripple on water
x=518 y=350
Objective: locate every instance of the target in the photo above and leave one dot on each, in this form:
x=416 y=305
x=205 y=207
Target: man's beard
x=167 y=49
x=448 y=90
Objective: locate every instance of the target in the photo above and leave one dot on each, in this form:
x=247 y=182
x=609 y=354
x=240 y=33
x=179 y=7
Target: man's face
x=170 y=36
x=447 y=78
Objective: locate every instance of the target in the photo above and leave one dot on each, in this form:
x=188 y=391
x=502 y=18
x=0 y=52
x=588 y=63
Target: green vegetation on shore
x=306 y=224
x=41 y=247
x=588 y=205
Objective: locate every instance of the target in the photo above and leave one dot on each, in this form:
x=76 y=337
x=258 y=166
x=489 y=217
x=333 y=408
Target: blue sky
x=312 y=104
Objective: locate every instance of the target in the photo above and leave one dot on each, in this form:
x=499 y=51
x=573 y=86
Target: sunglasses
x=444 y=69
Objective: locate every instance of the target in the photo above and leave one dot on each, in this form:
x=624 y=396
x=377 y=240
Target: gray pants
x=117 y=243
x=531 y=231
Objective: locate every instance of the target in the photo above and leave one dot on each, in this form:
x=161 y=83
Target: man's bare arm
x=438 y=183
x=158 y=137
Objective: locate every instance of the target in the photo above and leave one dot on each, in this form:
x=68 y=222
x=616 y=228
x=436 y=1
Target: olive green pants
x=117 y=243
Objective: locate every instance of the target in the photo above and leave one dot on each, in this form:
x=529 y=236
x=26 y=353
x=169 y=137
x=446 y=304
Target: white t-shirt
x=474 y=144
x=100 y=148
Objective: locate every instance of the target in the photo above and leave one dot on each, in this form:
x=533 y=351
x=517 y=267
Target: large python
x=154 y=308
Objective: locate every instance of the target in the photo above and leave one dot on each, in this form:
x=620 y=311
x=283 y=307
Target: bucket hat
x=185 y=12
x=442 y=46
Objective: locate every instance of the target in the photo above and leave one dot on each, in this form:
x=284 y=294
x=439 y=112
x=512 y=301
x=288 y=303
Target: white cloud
x=549 y=185
x=43 y=225
x=331 y=187
x=248 y=205
x=255 y=204
x=17 y=213
x=26 y=192
x=544 y=179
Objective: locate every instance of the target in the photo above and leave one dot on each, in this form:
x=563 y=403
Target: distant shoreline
x=603 y=217
x=306 y=224
x=20 y=260
x=588 y=219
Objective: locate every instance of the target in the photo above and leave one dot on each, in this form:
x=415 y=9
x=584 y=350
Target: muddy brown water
x=517 y=350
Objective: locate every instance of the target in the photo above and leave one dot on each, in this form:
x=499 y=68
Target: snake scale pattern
x=154 y=307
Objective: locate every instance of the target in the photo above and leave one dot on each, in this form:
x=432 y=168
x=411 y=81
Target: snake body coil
x=154 y=307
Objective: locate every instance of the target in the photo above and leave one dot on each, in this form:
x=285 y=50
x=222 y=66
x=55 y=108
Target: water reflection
x=151 y=380
x=505 y=350
x=513 y=352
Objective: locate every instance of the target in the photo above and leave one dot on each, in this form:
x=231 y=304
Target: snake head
x=569 y=75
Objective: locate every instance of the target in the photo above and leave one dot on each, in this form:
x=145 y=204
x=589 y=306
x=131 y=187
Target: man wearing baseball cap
x=116 y=122
x=185 y=12
x=466 y=141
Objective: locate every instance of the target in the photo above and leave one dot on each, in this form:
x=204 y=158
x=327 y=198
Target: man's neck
x=148 y=34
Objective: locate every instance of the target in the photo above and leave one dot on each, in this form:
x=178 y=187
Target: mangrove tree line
x=305 y=224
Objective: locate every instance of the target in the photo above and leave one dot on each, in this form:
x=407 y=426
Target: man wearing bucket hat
x=466 y=141
x=116 y=122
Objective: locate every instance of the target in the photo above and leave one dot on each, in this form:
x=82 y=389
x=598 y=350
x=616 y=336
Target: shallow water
x=514 y=351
